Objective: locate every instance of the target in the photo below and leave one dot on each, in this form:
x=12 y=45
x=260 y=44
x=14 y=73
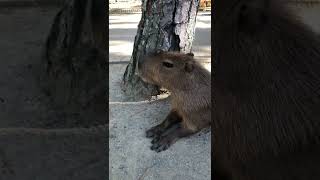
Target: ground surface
x=23 y=33
x=22 y=101
x=130 y=154
x=51 y=149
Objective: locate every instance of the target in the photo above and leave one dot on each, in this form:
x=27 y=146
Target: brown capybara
x=266 y=89
x=190 y=87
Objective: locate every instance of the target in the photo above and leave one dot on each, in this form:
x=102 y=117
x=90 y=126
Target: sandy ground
x=22 y=101
x=37 y=140
x=23 y=32
x=130 y=154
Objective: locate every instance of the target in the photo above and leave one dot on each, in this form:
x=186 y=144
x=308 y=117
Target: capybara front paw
x=154 y=131
x=155 y=139
x=161 y=144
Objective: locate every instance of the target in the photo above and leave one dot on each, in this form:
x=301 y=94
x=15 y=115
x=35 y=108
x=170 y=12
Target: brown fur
x=267 y=93
x=190 y=87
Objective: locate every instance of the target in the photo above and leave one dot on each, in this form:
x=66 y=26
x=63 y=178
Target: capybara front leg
x=171 y=119
x=170 y=136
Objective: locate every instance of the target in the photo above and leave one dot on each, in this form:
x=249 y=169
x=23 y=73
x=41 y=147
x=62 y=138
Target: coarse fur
x=266 y=93
x=190 y=87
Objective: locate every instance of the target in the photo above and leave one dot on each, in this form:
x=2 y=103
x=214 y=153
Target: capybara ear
x=189 y=66
x=252 y=15
x=190 y=54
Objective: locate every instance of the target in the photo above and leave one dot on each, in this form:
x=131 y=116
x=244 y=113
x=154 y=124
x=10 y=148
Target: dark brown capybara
x=190 y=87
x=266 y=90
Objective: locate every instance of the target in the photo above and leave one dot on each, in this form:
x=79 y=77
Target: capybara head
x=166 y=68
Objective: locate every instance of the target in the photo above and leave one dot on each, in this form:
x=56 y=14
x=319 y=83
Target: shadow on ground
x=37 y=139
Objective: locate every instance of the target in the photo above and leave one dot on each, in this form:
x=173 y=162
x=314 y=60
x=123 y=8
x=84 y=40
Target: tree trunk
x=75 y=55
x=165 y=25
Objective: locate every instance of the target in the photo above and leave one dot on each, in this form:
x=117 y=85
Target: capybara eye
x=167 y=64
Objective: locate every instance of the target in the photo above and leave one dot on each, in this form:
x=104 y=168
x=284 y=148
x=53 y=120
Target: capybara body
x=266 y=90
x=190 y=87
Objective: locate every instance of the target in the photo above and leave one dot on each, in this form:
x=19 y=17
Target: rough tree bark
x=75 y=55
x=165 y=25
